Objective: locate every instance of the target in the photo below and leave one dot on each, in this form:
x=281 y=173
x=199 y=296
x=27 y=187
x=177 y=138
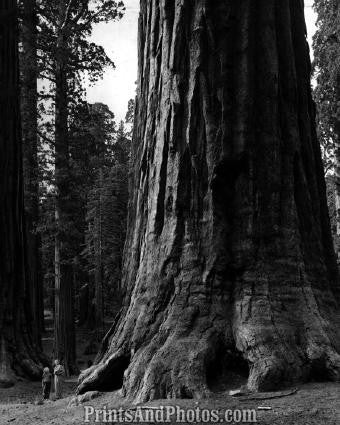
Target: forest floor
x=25 y=394
x=313 y=404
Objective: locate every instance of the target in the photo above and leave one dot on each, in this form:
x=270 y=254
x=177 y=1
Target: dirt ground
x=313 y=404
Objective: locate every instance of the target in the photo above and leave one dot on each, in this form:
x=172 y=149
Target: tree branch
x=67 y=15
x=41 y=75
x=80 y=13
x=44 y=137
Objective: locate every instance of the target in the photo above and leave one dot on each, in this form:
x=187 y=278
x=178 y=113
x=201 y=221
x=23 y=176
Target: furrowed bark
x=229 y=259
x=18 y=354
x=29 y=75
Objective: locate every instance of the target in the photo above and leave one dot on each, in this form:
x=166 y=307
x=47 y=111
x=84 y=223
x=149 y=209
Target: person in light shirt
x=59 y=373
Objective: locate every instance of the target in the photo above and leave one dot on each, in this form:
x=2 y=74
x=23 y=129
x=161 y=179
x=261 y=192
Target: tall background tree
x=229 y=256
x=66 y=54
x=99 y=155
x=106 y=226
x=18 y=353
x=326 y=46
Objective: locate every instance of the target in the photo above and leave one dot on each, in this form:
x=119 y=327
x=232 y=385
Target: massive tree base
x=229 y=258
x=19 y=359
x=184 y=349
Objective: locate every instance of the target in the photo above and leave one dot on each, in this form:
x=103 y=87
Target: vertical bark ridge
x=29 y=116
x=18 y=355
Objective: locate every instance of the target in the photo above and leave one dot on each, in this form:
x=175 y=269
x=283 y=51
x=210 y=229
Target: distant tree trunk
x=84 y=304
x=99 y=263
x=337 y=165
x=229 y=257
x=29 y=116
x=64 y=307
x=326 y=49
x=18 y=355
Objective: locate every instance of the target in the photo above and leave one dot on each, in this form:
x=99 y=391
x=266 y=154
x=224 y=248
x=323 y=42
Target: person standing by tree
x=59 y=373
x=46 y=383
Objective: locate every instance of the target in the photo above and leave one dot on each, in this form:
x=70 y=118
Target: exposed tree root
x=177 y=366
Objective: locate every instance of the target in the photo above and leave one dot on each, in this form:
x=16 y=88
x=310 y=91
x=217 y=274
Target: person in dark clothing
x=46 y=383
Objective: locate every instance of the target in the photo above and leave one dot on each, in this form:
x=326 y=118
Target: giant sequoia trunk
x=229 y=258
x=64 y=344
x=29 y=75
x=17 y=353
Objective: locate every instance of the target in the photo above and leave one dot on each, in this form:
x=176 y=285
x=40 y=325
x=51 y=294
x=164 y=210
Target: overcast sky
x=120 y=42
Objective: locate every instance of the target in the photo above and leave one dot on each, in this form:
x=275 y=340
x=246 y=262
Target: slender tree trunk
x=229 y=257
x=99 y=262
x=64 y=309
x=18 y=356
x=29 y=115
x=337 y=166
